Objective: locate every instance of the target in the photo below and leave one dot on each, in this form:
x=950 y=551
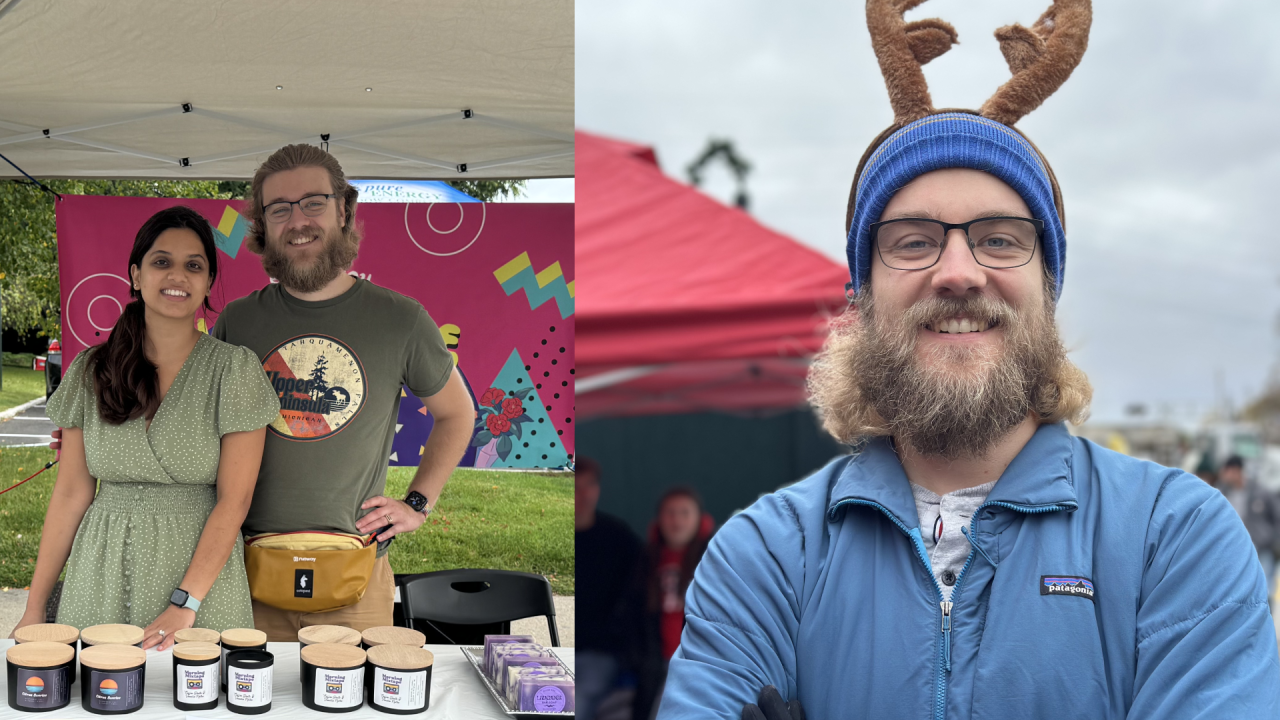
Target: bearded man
x=971 y=558
x=338 y=349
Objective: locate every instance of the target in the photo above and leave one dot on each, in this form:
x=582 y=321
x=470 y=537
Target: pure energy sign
x=496 y=278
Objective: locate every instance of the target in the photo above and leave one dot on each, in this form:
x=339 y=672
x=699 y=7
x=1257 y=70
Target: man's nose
x=957 y=272
x=297 y=219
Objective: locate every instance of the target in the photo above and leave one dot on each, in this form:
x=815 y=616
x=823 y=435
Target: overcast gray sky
x=1165 y=140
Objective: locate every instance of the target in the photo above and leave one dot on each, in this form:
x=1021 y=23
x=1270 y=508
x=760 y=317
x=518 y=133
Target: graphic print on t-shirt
x=321 y=385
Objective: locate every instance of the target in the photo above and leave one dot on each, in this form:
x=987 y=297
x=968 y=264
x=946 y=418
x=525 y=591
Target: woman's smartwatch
x=417 y=501
x=183 y=599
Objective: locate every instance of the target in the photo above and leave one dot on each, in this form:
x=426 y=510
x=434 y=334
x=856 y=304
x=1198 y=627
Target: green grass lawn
x=484 y=519
x=20 y=385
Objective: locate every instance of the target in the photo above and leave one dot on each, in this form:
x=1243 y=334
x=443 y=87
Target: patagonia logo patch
x=1066 y=585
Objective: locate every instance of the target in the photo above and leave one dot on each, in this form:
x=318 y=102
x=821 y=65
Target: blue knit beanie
x=954 y=140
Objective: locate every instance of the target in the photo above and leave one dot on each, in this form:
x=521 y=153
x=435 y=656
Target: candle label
x=400 y=690
x=339 y=688
x=43 y=689
x=249 y=688
x=548 y=699
x=115 y=691
x=198 y=684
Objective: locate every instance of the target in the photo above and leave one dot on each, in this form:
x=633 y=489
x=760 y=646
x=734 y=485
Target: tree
x=487 y=190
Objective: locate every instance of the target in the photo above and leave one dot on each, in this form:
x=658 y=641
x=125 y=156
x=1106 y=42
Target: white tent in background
x=191 y=89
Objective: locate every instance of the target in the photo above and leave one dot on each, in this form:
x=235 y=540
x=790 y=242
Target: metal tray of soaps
x=475 y=656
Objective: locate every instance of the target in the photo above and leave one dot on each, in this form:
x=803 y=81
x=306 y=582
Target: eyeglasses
x=311 y=206
x=996 y=242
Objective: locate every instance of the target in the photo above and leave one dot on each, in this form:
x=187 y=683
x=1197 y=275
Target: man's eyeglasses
x=996 y=242
x=311 y=206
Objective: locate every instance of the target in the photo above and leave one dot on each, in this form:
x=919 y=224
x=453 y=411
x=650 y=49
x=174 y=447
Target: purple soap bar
x=491 y=640
x=513 y=660
x=516 y=674
x=501 y=651
x=544 y=694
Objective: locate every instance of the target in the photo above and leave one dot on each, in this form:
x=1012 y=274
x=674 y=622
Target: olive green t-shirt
x=337 y=366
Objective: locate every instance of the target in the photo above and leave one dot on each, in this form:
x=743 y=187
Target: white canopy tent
x=206 y=89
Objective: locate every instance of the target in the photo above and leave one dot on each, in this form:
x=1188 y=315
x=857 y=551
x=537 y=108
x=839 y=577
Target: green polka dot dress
x=157 y=487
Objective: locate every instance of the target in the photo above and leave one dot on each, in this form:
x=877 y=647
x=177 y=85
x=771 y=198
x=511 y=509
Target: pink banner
x=496 y=278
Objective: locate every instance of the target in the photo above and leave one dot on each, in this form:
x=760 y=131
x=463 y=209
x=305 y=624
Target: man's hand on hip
x=387 y=511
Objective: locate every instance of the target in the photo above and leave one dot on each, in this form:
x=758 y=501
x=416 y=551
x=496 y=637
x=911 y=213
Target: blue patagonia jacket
x=1099 y=586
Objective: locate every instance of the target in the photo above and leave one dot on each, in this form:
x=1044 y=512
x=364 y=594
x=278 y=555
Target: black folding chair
x=460 y=607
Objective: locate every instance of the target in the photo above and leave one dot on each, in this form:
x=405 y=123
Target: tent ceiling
x=130 y=88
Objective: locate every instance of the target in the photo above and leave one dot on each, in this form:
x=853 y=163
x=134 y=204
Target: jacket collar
x=1039 y=476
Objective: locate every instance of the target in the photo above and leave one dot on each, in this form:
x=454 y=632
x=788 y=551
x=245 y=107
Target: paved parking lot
x=30 y=427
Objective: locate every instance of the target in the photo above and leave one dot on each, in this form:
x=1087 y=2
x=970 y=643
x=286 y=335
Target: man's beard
x=334 y=258
x=954 y=401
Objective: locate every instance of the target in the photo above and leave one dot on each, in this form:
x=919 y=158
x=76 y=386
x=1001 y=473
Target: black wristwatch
x=417 y=501
x=183 y=599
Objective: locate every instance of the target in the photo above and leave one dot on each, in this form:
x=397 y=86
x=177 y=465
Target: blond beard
x=334 y=258
x=949 y=402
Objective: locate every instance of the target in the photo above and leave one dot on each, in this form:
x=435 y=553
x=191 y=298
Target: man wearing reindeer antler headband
x=971 y=558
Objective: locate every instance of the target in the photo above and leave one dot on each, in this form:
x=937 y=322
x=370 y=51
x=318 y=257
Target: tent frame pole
x=57 y=133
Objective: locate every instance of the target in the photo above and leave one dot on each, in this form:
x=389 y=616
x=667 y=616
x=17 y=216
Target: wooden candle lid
x=196 y=651
x=203 y=635
x=112 y=635
x=391 y=635
x=333 y=655
x=113 y=657
x=243 y=637
x=328 y=634
x=47 y=632
x=40 y=654
x=401 y=657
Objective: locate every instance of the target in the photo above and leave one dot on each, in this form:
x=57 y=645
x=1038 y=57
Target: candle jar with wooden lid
x=112 y=678
x=39 y=675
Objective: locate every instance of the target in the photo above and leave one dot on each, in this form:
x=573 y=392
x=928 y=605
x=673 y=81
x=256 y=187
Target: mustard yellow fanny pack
x=309 y=571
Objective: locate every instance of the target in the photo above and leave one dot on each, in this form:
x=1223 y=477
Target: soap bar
x=544 y=694
x=501 y=651
x=516 y=674
x=513 y=660
x=491 y=640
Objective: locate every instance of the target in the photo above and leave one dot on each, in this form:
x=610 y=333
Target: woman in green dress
x=169 y=423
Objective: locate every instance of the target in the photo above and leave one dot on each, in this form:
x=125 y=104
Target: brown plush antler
x=902 y=48
x=1040 y=58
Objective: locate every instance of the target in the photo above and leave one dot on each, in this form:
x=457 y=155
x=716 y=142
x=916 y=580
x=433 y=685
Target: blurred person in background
x=608 y=559
x=1258 y=508
x=678 y=537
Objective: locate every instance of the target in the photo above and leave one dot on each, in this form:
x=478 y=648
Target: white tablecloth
x=456 y=691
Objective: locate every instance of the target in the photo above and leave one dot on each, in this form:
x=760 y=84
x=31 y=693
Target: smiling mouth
x=303 y=240
x=960 y=326
x=175 y=293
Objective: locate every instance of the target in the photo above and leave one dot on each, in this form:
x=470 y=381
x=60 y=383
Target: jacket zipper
x=944 y=653
x=943 y=663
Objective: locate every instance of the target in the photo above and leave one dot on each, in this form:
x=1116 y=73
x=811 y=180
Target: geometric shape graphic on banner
x=104 y=290
x=514 y=429
x=538 y=287
x=551 y=368
x=430 y=231
x=230 y=231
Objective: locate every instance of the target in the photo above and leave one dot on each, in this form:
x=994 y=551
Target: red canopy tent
x=684 y=304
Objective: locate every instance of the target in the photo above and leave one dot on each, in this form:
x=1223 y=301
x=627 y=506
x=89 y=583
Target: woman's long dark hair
x=124 y=379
